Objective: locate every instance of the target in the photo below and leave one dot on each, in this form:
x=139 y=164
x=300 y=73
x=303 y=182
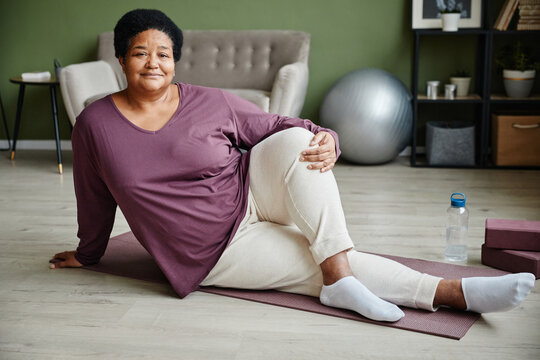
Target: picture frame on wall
x=426 y=14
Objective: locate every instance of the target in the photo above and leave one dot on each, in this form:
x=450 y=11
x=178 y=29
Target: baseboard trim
x=37 y=144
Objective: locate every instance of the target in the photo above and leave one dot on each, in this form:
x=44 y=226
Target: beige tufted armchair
x=266 y=67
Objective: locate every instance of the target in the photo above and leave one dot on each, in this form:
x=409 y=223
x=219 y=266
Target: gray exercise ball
x=371 y=111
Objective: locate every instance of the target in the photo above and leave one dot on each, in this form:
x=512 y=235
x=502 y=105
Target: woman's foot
x=349 y=293
x=500 y=293
x=484 y=294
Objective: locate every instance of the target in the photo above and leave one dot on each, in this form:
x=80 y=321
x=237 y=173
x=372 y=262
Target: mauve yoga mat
x=126 y=257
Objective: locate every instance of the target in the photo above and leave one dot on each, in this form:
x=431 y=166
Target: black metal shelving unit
x=483 y=100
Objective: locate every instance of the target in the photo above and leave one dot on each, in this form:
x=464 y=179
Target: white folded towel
x=36 y=76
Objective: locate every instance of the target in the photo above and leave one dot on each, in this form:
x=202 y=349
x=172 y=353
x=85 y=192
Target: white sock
x=499 y=293
x=349 y=293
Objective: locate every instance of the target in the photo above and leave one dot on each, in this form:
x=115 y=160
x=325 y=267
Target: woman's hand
x=322 y=157
x=64 y=259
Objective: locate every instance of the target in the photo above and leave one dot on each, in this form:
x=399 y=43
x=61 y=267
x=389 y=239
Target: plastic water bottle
x=457 y=225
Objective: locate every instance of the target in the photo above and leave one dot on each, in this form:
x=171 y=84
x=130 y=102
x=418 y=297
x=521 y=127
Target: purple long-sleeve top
x=183 y=189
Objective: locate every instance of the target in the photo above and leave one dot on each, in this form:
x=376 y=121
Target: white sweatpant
x=294 y=222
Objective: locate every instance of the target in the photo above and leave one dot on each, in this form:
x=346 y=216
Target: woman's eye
x=163 y=55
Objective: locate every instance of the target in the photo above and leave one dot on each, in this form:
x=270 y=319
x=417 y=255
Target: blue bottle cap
x=457 y=202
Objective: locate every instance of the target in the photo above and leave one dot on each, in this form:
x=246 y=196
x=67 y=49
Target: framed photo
x=426 y=15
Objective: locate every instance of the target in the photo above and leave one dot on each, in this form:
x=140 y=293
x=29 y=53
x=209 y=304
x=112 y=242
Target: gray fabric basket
x=450 y=143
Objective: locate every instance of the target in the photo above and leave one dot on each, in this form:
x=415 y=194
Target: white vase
x=518 y=84
x=450 y=21
x=462 y=85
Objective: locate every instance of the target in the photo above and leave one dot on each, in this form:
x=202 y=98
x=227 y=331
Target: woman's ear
x=122 y=63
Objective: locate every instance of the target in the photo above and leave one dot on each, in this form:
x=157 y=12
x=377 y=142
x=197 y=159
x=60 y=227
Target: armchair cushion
x=289 y=90
x=258 y=97
x=95 y=98
x=80 y=82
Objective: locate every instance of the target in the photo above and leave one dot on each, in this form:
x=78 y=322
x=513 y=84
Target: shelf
x=459 y=32
x=475 y=98
x=475 y=32
x=472 y=98
x=516 y=32
x=504 y=98
x=483 y=103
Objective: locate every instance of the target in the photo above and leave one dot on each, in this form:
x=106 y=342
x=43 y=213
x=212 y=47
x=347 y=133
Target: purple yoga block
x=512 y=260
x=513 y=234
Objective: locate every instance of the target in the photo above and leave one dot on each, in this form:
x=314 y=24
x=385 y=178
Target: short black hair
x=139 y=20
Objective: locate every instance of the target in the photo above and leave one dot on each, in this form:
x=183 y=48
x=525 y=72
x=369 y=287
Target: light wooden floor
x=393 y=209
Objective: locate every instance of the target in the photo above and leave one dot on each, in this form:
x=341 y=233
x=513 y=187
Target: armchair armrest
x=289 y=90
x=81 y=82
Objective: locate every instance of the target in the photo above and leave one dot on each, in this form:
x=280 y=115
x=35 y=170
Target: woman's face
x=149 y=62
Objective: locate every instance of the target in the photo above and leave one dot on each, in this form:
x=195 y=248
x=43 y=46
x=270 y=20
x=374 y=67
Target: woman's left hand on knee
x=322 y=157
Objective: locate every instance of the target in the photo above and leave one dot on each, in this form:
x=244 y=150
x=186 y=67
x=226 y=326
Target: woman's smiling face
x=149 y=63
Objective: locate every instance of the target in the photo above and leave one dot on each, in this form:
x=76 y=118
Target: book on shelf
x=505 y=15
x=529 y=10
x=529 y=15
x=529 y=21
x=526 y=11
x=528 y=26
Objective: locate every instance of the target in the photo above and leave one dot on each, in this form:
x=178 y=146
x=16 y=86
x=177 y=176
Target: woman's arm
x=254 y=125
x=96 y=206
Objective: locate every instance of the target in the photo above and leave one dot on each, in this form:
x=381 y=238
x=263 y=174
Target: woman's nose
x=152 y=61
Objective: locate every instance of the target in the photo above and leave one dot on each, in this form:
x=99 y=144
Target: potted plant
x=519 y=70
x=450 y=14
x=462 y=80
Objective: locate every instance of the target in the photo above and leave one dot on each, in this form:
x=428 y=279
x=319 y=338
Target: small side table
x=6 y=129
x=52 y=84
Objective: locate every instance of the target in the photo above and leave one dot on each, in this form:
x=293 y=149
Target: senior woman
x=271 y=218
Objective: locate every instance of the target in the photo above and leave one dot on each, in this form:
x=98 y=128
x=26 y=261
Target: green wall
x=346 y=35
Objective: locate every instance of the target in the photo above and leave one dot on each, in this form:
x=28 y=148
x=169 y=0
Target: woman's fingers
x=319 y=160
x=323 y=166
x=63 y=260
x=57 y=265
x=318 y=138
x=61 y=255
x=318 y=153
x=318 y=156
x=323 y=156
x=65 y=264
